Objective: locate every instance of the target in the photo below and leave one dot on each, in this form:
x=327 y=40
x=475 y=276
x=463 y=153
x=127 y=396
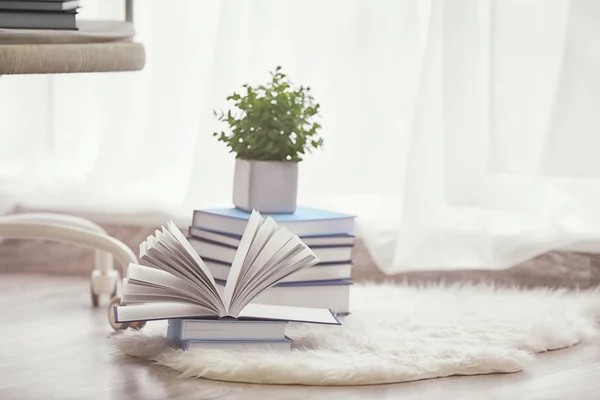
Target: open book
x=175 y=283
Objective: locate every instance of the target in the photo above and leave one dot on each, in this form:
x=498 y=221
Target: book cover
x=306 y=221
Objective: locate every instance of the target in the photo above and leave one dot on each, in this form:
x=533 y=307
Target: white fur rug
x=399 y=333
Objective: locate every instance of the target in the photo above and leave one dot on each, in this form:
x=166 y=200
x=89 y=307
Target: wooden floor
x=53 y=345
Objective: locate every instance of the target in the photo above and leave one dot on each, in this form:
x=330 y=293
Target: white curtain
x=462 y=134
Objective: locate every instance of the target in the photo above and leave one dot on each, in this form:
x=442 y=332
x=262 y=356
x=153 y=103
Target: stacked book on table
x=39 y=14
x=173 y=283
x=216 y=234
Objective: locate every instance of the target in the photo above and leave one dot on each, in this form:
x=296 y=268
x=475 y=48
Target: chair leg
x=104 y=278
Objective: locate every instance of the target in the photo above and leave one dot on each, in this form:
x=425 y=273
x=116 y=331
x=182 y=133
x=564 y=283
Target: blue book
x=209 y=250
x=312 y=241
x=236 y=345
x=224 y=329
x=318 y=272
x=223 y=334
x=305 y=222
x=332 y=282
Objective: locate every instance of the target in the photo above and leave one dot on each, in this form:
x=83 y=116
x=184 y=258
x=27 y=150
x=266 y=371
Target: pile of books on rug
x=172 y=282
x=34 y=14
x=216 y=234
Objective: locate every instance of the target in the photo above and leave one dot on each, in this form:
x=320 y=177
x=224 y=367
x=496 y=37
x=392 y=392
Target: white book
x=334 y=296
x=176 y=283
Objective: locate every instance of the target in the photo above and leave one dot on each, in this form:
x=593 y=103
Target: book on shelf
x=304 y=222
x=226 y=254
x=233 y=240
x=176 y=283
x=58 y=20
x=45 y=5
x=316 y=273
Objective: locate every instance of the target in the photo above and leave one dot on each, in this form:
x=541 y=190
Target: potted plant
x=271 y=128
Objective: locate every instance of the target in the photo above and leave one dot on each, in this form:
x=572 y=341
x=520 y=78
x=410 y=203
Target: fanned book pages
x=175 y=282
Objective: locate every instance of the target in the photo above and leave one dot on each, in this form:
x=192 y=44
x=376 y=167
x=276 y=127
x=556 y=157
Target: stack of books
x=39 y=14
x=216 y=234
x=173 y=283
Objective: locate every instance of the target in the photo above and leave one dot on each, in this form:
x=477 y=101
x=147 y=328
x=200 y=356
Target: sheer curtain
x=462 y=134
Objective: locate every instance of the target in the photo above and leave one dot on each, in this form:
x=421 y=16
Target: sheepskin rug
x=398 y=333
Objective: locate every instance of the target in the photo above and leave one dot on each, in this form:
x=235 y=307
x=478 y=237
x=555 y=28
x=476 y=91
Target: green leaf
x=259 y=117
x=273 y=135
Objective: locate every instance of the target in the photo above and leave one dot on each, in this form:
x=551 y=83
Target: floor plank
x=54 y=346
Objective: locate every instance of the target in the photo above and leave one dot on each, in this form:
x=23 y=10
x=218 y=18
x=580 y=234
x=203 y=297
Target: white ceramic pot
x=270 y=187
